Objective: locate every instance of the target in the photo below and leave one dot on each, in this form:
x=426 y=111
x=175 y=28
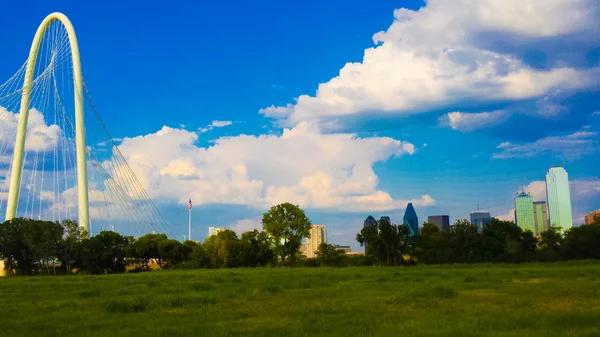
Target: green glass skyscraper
x=524 y=212
x=559 y=197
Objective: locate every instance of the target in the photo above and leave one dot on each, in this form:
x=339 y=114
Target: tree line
x=499 y=241
x=33 y=247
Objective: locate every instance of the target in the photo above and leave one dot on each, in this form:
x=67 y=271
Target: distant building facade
x=346 y=248
x=590 y=217
x=317 y=237
x=215 y=230
x=480 y=219
x=411 y=220
x=369 y=222
x=540 y=215
x=386 y=218
x=442 y=221
x=559 y=198
x=524 y=212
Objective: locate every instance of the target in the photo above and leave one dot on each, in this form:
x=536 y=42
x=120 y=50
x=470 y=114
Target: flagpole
x=189 y=223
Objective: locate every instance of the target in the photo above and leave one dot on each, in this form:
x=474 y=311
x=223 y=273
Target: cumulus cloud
x=246 y=225
x=471 y=121
x=213 y=125
x=433 y=58
x=572 y=146
x=40 y=135
x=302 y=166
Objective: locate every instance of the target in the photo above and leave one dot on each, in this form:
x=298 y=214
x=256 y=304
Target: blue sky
x=448 y=106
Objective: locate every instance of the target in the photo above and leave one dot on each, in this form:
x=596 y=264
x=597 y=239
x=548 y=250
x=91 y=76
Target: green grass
x=561 y=299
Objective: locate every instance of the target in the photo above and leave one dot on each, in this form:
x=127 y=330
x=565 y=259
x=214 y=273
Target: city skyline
x=344 y=117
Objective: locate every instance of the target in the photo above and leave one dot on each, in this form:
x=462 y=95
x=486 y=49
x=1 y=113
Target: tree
x=500 y=241
x=43 y=240
x=13 y=247
x=72 y=247
x=528 y=247
x=171 y=252
x=385 y=243
x=255 y=249
x=146 y=248
x=464 y=240
x=223 y=249
x=550 y=244
x=287 y=225
x=582 y=242
x=328 y=255
x=106 y=253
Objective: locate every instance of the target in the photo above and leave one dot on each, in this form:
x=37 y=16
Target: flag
x=190 y=204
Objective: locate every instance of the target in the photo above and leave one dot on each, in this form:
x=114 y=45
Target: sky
x=345 y=108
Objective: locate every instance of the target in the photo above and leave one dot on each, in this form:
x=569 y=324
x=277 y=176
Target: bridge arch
x=17 y=161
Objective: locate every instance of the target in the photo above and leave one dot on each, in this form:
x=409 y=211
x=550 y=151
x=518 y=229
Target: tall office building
x=559 y=197
x=589 y=219
x=442 y=221
x=480 y=219
x=317 y=237
x=540 y=215
x=524 y=212
x=411 y=220
x=369 y=222
x=214 y=230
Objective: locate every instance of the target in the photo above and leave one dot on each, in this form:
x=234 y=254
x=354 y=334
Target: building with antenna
x=559 y=197
x=480 y=219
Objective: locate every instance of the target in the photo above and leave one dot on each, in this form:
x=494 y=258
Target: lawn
x=560 y=299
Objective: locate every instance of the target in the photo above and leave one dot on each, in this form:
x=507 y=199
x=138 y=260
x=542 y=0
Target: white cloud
x=510 y=216
x=596 y=113
x=471 y=121
x=572 y=146
x=302 y=166
x=246 y=225
x=40 y=136
x=431 y=58
x=213 y=125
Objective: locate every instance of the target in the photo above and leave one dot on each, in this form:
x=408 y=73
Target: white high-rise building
x=317 y=237
x=214 y=230
x=559 y=198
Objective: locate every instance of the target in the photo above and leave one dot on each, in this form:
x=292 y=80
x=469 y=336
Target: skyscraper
x=540 y=214
x=411 y=220
x=442 y=221
x=524 y=212
x=480 y=219
x=559 y=197
x=369 y=222
x=317 y=237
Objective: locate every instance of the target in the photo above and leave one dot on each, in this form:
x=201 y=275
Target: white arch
x=17 y=162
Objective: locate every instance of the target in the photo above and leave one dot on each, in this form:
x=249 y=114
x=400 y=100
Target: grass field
x=561 y=299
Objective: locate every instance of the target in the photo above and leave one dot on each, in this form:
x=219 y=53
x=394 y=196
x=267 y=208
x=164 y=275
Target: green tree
x=72 y=247
x=13 y=247
x=255 y=249
x=106 y=252
x=223 y=249
x=550 y=244
x=385 y=243
x=464 y=241
x=287 y=225
x=328 y=255
x=582 y=242
x=147 y=248
x=528 y=247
